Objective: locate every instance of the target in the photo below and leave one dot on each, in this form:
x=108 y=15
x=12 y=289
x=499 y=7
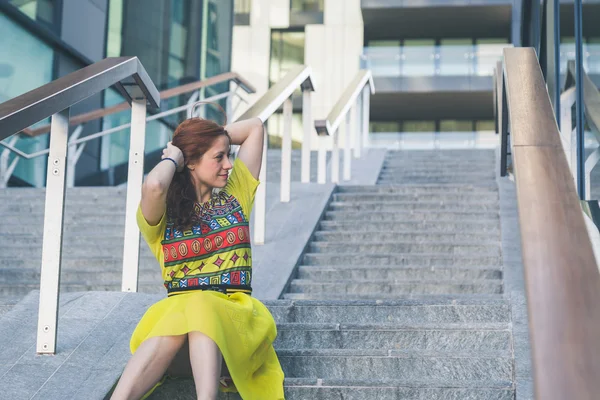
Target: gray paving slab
x=94 y=330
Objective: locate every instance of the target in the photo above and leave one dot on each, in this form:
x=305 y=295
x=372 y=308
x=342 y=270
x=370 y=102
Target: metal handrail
x=561 y=276
x=278 y=95
x=357 y=94
x=591 y=102
x=79 y=120
x=164 y=95
x=55 y=99
x=126 y=73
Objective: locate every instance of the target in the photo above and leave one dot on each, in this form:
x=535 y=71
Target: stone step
x=442 y=339
x=450 y=153
x=344 y=389
x=71 y=208
x=92 y=263
x=404 y=247
x=439 y=197
x=493 y=367
x=409 y=173
x=437 y=166
x=70 y=252
x=332 y=274
x=429 y=310
x=147 y=273
x=103 y=219
x=70 y=228
x=392 y=288
x=414 y=237
x=21 y=289
x=423 y=188
x=432 y=179
x=111 y=240
x=473 y=206
x=424 y=259
x=383 y=296
x=421 y=226
x=407 y=216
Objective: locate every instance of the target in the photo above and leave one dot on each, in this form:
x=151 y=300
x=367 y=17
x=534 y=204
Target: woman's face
x=213 y=167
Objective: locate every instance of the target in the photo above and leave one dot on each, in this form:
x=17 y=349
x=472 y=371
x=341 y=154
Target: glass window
x=485 y=126
x=241 y=10
x=455 y=57
x=384 y=126
x=456 y=126
x=418 y=57
x=42 y=11
x=384 y=43
x=287 y=51
x=307 y=5
x=26 y=63
x=418 y=126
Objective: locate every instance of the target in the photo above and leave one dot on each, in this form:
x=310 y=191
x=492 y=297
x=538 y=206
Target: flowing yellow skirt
x=239 y=324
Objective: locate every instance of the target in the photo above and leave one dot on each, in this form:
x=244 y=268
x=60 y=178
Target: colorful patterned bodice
x=215 y=252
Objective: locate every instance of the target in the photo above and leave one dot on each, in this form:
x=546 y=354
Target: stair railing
x=591 y=102
x=561 y=275
x=76 y=144
x=355 y=133
x=55 y=100
x=278 y=95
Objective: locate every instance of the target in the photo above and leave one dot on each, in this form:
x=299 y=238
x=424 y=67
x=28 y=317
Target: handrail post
x=366 y=98
x=260 y=199
x=335 y=157
x=286 y=152
x=322 y=162
x=356 y=131
x=53 y=233
x=348 y=134
x=73 y=155
x=5 y=169
x=503 y=131
x=306 y=142
x=135 y=176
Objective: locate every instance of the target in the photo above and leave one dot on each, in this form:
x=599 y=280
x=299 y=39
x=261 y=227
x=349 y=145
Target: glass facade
x=307 y=5
x=178 y=42
x=45 y=12
x=25 y=64
x=432 y=126
x=287 y=51
x=241 y=10
x=430 y=57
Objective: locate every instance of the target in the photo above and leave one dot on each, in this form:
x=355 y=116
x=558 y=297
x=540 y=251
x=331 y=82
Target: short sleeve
x=152 y=234
x=242 y=185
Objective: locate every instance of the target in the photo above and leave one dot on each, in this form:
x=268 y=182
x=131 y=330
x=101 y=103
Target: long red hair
x=194 y=137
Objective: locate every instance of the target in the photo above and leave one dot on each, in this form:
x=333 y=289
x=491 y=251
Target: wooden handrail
x=561 y=275
x=165 y=94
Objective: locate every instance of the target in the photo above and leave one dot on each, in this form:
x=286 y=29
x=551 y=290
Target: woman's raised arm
x=156 y=185
x=249 y=134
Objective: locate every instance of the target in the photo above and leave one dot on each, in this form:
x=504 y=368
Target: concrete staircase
x=92 y=241
x=400 y=295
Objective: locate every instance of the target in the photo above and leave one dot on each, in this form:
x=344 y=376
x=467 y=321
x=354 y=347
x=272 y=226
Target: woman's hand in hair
x=174 y=153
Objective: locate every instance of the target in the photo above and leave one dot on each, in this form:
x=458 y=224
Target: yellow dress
x=207 y=271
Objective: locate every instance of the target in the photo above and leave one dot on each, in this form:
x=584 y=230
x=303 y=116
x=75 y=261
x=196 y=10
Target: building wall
x=332 y=49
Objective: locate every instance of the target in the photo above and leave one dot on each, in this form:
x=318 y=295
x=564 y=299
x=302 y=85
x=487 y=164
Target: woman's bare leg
x=147 y=366
x=206 y=360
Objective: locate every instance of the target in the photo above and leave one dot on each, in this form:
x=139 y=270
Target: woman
x=202 y=242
